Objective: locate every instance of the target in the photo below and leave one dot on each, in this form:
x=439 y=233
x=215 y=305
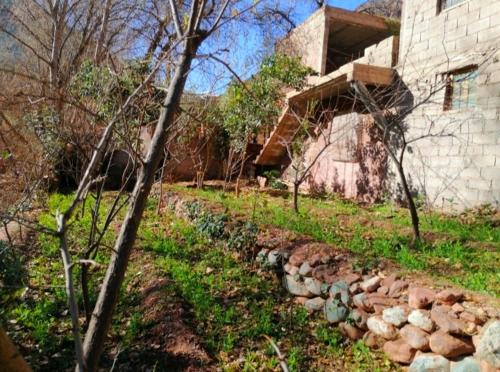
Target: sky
x=246 y=50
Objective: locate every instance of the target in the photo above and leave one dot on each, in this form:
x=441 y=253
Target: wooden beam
x=372 y=75
x=361 y=19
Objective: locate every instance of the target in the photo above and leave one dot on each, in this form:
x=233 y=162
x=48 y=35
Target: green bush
x=243 y=236
x=273 y=180
x=211 y=225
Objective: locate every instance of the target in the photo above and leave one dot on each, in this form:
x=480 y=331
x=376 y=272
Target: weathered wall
x=309 y=41
x=354 y=164
x=459 y=167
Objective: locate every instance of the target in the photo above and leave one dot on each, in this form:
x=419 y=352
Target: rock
x=415 y=337
x=360 y=300
x=351 y=278
x=297 y=259
x=290 y=269
x=354 y=288
x=300 y=300
x=379 y=299
x=296 y=288
x=371 y=284
x=381 y=328
x=387 y=282
x=262 y=255
x=449 y=346
x=372 y=340
x=488 y=349
x=397 y=288
x=262 y=181
x=421 y=319
x=480 y=313
x=314 y=304
x=351 y=332
x=399 y=351
x=430 y=363
x=450 y=296
x=314 y=260
x=467 y=364
x=326 y=259
x=457 y=308
x=335 y=312
x=418 y=298
x=446 y=322
x=359 y=318
x=395 y=315
x=305 y=269
x=313 y=285
x=340 y=290
x=275 y=258
x=324 y=273
x=469 y=317
x=383 y=290
x=486 y=367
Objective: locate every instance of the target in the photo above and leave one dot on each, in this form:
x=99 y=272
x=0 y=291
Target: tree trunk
x=108 y=296
x=296 y=197
x=411 y=204
x=240 y=174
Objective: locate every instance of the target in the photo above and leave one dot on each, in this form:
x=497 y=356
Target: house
x=440 y=66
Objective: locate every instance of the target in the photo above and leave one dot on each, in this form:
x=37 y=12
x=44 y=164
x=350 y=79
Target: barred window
x=461 y=89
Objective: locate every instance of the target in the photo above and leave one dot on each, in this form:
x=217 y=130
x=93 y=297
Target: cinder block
x=490 y=173
x=475 y=27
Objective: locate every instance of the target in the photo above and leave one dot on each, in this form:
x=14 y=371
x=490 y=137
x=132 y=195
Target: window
x=461 y=89
x=445 y=4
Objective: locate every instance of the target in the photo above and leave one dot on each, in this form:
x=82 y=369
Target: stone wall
x=459 y=166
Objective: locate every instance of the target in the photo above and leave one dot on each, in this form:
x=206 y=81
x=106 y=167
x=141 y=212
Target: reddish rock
x=387 y=282
x=380 y=299
x=290 y=269
x=372 y=340
x=450 y=296
x=300 y=300
x=315 y=260
x=399 y=351
x=469 y=317
x=415 y=337
x=383 y=290
x=351 y=332
x=457 y=308
x=446 y=322
x=370 y=284
x=297 y=258
x=351 y=278
x=450 y=346
x=398 y=288
x=324 y=273
x=418 y=298
x=354 y=288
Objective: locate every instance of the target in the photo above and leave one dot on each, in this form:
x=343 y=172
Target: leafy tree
x=252 y=106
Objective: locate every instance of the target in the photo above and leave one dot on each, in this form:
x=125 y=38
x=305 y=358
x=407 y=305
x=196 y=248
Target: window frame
x=467 y=74
x=441 y=5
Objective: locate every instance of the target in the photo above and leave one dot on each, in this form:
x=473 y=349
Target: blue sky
x=246 y=49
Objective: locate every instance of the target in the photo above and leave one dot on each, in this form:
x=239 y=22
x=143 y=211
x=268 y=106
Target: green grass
x=462 y=249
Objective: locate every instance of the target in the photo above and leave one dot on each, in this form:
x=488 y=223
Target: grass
x=461 y=249
x=231 y=303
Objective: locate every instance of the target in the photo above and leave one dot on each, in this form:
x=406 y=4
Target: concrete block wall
x=458 y=165
x=309 y=41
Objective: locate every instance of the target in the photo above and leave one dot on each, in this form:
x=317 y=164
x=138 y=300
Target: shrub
x=211 y=225
x=273 y=180
x=243 y=236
